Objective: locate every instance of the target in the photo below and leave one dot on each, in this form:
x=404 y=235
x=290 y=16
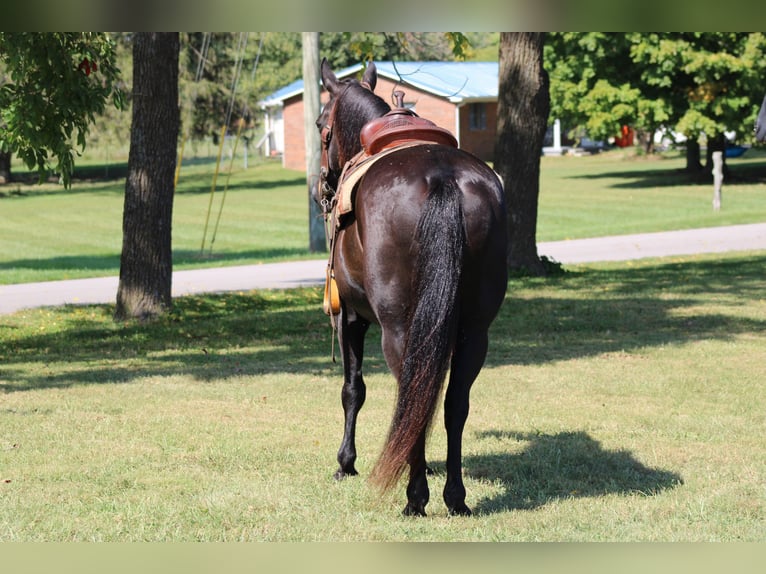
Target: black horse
x=424 y=256
x=760 y=123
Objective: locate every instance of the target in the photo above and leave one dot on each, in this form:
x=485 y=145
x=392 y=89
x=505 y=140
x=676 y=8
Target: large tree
x=699 y=85
x=51 y=87
x=146 y=262
x=522 y=117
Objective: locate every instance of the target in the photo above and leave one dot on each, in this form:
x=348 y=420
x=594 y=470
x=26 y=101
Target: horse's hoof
x=460 y=510
x=340 y=474
x=411 y=510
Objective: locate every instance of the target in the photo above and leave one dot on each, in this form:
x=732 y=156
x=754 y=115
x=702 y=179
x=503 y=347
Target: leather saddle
x=399 y=126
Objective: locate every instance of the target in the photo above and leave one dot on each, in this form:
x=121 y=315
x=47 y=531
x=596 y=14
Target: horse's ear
x=329 y=80
x=370 y=75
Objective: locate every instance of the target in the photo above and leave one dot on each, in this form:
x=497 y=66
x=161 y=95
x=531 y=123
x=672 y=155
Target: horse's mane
x=358 y=106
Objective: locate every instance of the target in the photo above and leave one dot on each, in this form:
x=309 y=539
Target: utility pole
x=311 y=104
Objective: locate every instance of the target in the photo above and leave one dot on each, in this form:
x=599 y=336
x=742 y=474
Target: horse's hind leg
x=417 y=487
x=467 y=361
x=351 y=331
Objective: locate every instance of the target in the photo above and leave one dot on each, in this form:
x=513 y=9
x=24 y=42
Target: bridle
x=327 y=187
x=329 y=181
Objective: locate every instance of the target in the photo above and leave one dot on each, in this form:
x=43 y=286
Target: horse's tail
x=440 y=240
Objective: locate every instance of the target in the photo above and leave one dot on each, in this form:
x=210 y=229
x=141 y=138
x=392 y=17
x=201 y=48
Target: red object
x=625 y=138
x=87 y=66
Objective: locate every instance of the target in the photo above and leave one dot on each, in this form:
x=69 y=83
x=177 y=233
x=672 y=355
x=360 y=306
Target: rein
x=328 y=201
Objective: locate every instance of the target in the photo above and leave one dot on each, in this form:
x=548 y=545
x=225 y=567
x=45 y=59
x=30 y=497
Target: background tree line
x=697 y=85
x=54 y=90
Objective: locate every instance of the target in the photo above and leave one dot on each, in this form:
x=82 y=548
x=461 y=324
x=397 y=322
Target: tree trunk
x=522 y=118
x=693 y=164
x=647 y=141
x=5 y=167
x=146 y=264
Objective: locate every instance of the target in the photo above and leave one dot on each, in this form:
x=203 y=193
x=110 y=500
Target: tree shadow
x=186 y=256
x=206 y=337
x=181 y=257
x=560 y=466
x=643 y=306
x=738 y=174
x=96 y=263
x=110 y=179
x=217 y=336
x=201 y=185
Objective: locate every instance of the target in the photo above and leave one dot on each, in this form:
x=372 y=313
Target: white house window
x=477 y=116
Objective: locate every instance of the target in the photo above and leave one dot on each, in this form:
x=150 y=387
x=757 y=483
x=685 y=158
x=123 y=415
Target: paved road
x=309 y=273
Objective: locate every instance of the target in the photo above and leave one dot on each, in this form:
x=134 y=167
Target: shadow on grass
x=110 y=179
x=228 y=335
x=205 y=337
x=560 y=466
x=97 y=263
x=181 y=257
x=186 y=256
x=626 y=309
x=739 y=174
x=202 y=185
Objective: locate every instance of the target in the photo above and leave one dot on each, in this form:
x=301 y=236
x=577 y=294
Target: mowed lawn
x=619 y=402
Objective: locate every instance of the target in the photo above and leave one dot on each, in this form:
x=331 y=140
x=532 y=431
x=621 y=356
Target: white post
x=557 y=134
x=717 y=179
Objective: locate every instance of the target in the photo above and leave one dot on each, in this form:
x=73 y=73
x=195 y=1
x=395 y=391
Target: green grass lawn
x=50 y=233
x=619 y=402
x=618 y=193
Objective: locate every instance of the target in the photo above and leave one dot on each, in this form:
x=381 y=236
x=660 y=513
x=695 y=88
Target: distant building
x=458 y=96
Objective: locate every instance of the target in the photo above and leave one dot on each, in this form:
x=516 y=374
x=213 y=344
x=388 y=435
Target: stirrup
x=331 y=302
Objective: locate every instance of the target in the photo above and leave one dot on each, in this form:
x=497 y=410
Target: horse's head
x=351 y=105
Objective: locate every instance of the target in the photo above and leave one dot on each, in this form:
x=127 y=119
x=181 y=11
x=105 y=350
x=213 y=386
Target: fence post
x=717 y=179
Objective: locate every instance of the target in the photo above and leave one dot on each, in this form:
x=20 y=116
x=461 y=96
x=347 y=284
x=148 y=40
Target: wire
x=201 y=61
x=242 y=46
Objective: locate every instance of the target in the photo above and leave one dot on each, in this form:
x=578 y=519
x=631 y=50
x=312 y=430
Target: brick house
x=458 y=96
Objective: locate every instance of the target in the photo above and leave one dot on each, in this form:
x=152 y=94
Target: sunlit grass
x=51 y=233
x=619 y=402
x=617 y=193
x=259 y=214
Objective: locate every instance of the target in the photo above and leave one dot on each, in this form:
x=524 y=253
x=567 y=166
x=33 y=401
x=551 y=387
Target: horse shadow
x=559 y=466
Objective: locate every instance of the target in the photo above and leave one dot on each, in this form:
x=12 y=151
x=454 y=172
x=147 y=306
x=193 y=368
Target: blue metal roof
x=455 y=81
